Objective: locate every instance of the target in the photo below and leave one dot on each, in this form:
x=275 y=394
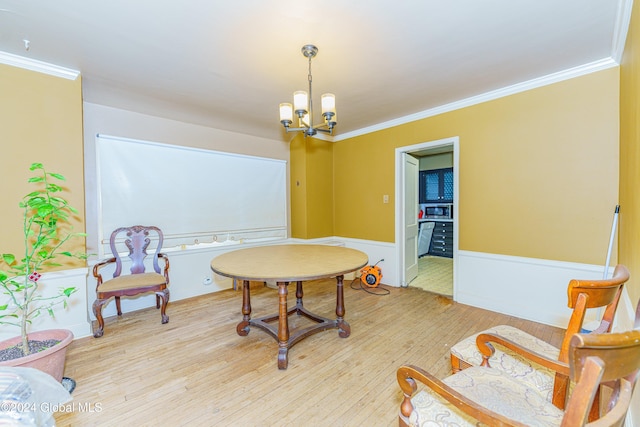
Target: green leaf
x=15 y=316
x=54 y=188
x=58 y=176
x=8 y=258
x=4 y=307
x=35 y=166
x=69 y=291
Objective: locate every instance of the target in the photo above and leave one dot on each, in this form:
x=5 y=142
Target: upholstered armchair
x=135 y=240
x=531 y=359
x=488 y=396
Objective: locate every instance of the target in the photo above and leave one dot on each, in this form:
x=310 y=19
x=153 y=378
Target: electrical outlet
x=385 y=198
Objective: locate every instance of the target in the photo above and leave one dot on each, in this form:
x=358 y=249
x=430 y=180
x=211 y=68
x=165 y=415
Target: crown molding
x=570 y=73
x=38 y=66
x=623 y=20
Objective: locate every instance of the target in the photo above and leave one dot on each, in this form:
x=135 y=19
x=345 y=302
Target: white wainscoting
x=532 y=289
x=528 y=288
x=74 y=317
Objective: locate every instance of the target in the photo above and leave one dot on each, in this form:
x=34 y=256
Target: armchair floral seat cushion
x=538 y=376
x=494 y=389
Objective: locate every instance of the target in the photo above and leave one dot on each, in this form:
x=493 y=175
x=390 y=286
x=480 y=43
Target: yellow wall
x=298 y=187
x=363 y=174
x=41 y=122
x=630 y=155
x=538 y=172
x=311 y=188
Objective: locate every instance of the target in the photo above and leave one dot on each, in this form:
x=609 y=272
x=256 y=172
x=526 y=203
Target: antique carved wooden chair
x=524 y=356
x=134 y=240
x=493 y=397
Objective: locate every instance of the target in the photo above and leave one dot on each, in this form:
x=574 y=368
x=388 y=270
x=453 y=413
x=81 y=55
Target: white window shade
x=189 y=193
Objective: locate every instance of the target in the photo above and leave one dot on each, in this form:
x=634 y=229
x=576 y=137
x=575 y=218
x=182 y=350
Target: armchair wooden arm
x=561 y=368
x=561 y=381
x=98 y=266
x=484 y=340
x=165 y=270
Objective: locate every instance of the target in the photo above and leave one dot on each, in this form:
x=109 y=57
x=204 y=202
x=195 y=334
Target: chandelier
x=303 y=106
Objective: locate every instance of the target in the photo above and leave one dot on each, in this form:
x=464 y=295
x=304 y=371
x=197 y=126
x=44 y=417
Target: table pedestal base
x=280 y=331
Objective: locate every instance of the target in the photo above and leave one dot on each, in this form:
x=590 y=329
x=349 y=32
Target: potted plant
x=46 y=228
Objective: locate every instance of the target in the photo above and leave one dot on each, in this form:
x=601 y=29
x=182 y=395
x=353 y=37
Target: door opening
x=406 y=213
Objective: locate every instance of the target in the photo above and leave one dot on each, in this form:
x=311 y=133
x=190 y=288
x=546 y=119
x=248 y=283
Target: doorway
x=408 y=256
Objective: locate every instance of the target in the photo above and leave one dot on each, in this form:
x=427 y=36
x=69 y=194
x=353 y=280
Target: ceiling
x=229 y=64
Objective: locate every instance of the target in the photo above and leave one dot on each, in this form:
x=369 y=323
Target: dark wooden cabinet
x=442 y=239
x=436 y=186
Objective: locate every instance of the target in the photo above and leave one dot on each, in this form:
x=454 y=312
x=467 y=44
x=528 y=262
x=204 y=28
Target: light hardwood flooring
x=197 y=371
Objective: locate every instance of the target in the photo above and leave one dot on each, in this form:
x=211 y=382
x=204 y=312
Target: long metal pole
x=613 y=234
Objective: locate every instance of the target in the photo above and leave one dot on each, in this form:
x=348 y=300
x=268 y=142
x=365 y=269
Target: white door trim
x=454 y=142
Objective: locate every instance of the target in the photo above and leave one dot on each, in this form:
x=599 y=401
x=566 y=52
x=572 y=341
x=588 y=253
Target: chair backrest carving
x=137 y=240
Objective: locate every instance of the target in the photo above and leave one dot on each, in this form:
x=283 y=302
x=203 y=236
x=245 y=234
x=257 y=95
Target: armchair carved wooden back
x=137 y=240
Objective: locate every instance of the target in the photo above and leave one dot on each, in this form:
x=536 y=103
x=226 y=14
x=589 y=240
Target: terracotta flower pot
x=50 y=360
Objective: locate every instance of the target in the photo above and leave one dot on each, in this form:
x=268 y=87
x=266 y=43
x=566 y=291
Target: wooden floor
x=197 y=371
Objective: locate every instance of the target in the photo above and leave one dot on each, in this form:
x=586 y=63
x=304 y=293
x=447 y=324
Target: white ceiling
x=229 y=64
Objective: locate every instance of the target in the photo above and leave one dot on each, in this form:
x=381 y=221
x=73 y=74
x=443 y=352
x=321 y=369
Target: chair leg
x=118 y=306
x=560 y=390
x=164 y=296
x=456 y=365
x=97 y=311
x=157 y=301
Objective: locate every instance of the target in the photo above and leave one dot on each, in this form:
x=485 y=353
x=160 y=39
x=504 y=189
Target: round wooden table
x=284 y=264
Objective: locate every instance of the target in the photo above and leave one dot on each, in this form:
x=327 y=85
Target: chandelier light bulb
x=328 y=103
x=286 y=112
x=300 y=102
